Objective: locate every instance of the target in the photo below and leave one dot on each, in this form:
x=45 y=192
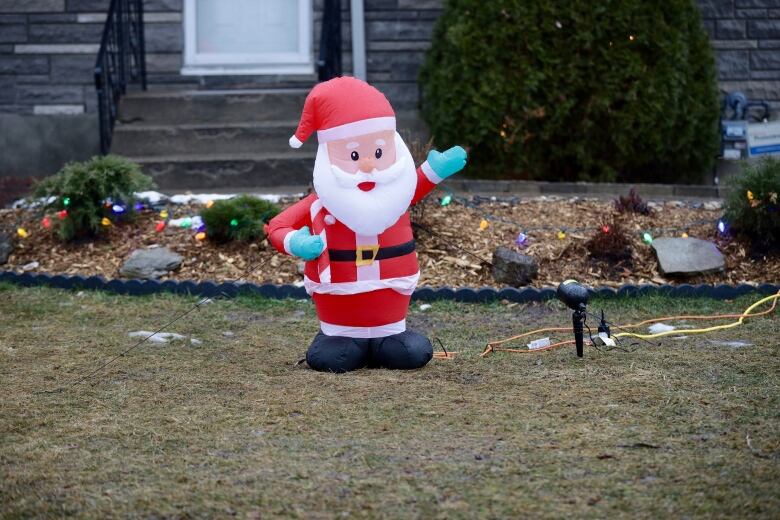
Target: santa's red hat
x=342 y=108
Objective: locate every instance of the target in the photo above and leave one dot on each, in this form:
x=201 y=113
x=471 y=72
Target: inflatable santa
x=354 y=232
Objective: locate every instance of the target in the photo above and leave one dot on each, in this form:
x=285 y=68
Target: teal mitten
x=447 y=163
x=305 y=245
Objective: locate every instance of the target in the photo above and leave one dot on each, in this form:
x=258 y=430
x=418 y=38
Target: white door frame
x=300 y=62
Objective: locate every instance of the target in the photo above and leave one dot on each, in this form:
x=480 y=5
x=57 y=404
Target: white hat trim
x=366 y=126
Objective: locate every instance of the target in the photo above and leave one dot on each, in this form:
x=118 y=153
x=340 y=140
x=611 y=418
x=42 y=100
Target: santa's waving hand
x=354 y=232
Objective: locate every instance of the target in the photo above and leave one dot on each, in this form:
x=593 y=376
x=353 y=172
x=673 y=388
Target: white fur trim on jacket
x=428 y=171
x=381 y=331
x=401 y=284
x=366 y=126
x=295 y=142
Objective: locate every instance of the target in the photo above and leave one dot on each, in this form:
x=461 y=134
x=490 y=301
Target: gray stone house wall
x=48 y=48
x=746 y=37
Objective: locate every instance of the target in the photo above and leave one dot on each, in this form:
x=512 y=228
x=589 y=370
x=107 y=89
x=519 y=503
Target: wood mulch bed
x=442 y=257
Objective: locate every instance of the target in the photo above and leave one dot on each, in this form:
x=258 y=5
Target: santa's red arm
x=288 y=221
x=426 y=181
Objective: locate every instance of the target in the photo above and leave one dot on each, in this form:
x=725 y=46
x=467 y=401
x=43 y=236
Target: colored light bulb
x=186 y=223
x=105 y=222
x=233 y=222
x=62 y=214
x=46 y=222
x=605 y=229
x=138 y=206
x=561 y=235
x=750 y=195
x=209 y=203
x=446 y=200
x=521 y=240
x=684 y=235
x=116 y=208
x=201 y=236
x=648 y=238
x=483 y=225
x=159 y=226
x=22 y=232
x=164 y=213
x=722 y=227
x=66 y=201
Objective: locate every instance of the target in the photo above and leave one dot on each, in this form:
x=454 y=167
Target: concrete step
x=233 y=171
x=211 y=106
x=194 y=139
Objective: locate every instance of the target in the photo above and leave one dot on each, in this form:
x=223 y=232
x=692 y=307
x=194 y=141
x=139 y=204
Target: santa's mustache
x=386 y=176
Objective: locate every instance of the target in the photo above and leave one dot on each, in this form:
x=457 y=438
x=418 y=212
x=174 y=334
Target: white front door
x=247 y=37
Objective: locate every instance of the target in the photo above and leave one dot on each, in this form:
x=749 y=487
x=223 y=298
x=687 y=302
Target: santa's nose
x=366 y=165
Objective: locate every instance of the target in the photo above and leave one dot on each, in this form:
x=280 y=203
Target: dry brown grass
x=232 y=427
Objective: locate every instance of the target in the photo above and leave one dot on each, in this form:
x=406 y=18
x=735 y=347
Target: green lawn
x=687 y=428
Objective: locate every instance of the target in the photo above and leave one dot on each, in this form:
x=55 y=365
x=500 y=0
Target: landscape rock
x=687 y=256
x=513 y=268
x=6 y=247
x=149 y=264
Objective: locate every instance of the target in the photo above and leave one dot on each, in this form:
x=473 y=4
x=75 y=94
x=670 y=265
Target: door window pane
x=246 y=26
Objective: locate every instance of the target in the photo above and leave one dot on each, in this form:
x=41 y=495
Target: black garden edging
x=484 y=294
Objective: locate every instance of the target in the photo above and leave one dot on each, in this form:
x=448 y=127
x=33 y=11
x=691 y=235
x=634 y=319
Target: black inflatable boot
x=405 y=351
x=337 y=353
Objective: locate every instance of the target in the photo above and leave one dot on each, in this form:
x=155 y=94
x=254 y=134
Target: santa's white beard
x=366 y=212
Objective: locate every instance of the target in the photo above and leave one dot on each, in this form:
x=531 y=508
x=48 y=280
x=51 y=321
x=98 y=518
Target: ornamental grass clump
x=574 y=91
x=752 y=209
x=239 y=218
x=85 y=198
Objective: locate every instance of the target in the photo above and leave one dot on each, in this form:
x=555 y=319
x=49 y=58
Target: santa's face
x=367 y=181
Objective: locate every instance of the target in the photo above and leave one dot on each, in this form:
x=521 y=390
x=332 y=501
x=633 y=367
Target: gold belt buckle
x=359 y=260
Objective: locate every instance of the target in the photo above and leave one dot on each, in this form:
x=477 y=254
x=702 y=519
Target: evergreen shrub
x=753 y=206
x=574 y=90
x=84 y=193
x=238 y=218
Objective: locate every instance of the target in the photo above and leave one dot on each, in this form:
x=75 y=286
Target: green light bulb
x=647 y=237
x=234 y=222
x=66 y=201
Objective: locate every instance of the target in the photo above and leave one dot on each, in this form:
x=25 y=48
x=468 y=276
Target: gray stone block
x=24 y=65
x=732 y=45
x=741 y=4
x=754 y=89
x=49 y=94
x=730 y=29
x=7 y=90
x=13 y=18
x=164 y=37
x=74 y=6
x=163 y=5
x=52 y=18
x=687 y=256
x=407 y=30
x=420 y=4
x=402 y=95
x=766 y=74
x=763 y=28
x=716 y=8
x=169 y=62
x=401 y=66
x=764 y=60
x=13 y=33
x=150 y=263
x=31 y=6
x=748 y=14
x=513 y=268
x=65 y=33
x=732 y=64
x=75 y=68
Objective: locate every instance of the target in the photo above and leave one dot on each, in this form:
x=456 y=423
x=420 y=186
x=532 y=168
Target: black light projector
x=575 y=296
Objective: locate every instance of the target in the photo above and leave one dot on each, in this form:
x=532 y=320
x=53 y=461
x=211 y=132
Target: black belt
x=368 y=254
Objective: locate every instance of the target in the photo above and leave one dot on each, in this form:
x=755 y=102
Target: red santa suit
x=361 y=284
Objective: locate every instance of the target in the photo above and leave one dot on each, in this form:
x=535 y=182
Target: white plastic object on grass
x=539 y=343
x=160 y=337
x=655 y=328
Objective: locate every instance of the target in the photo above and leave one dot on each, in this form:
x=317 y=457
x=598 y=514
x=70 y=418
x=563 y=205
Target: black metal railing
x=121 y=61
x=329 y=60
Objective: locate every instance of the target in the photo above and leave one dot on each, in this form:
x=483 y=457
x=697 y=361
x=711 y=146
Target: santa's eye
x=378 y=153
x=355 y=156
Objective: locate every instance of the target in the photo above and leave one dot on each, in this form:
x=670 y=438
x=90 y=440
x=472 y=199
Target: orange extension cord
x=493 y=346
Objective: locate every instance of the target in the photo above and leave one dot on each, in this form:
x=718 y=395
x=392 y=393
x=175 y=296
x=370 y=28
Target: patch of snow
x=202 y=198
x=160 y=337
x=655 y=328
x=732 y=344
x=425 y=306
x=152 y=197
x=195 y=341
